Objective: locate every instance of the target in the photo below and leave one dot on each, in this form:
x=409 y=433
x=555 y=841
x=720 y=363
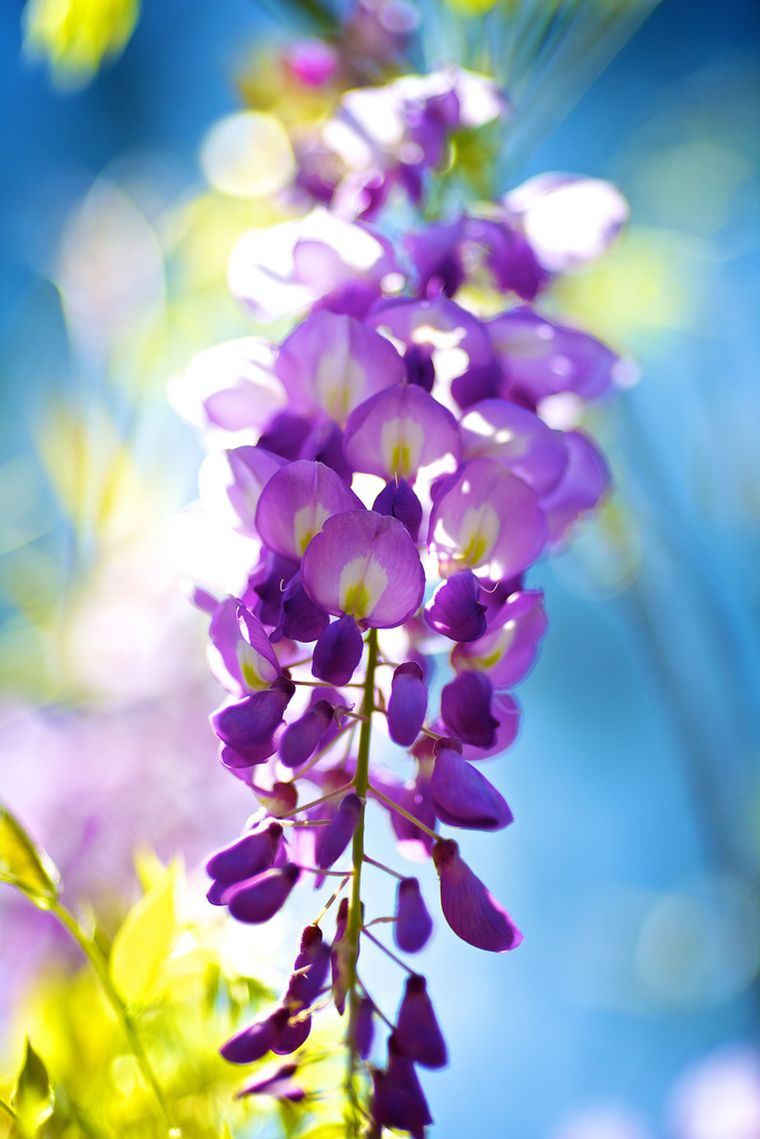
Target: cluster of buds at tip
x=387 y=476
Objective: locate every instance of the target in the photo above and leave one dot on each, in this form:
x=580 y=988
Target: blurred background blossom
x=629 y=1013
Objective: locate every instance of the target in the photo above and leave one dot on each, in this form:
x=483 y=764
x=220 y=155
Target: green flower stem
x=353 y=926
x=401 y=811
x=315 y=802
x=100 y=965
x=384 y=948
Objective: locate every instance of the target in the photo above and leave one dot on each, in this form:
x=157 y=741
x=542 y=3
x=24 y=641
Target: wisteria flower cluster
x=392 y=471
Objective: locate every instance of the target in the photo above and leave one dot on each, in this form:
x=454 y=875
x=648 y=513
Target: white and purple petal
x=230 y=484
x=446 y=254
x=230 y=389
x=364 y=565
x=568 y=220
x=401 y=429
x=282 y=270
x=517 y=438
x=582 y=487
x=541 y=358
x=509 y=647
x=487 y=520
x=331 y=363
x=295 y=504
x=440 y=338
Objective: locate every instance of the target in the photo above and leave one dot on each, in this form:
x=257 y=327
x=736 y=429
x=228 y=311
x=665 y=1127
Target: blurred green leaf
x=32 y=1097
x=144 y=941
x=77 y=36
x=25 y=865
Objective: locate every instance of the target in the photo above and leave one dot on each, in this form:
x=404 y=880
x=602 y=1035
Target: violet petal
x=337 y=652
x=301 y=739
x=333 y=839
x=363 y=1028
x=413 y=925
x=471 y=911
x=463 y=797
x=258 y=899
x=455 y=610
x=246 y=856
x=417 y=1032
x=249 y=723
x=407 y=704
x=309 y=969
x=398 y=500
x=252 y=1043
x=466 y=709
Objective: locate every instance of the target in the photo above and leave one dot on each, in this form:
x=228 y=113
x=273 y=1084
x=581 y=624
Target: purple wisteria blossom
x=449 y=254
x=398 y=480
x=315 y=261
x=568 y=221
x=333 y=362
x=382 y=141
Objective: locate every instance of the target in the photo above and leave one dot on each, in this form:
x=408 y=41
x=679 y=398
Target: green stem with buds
x=354 y=923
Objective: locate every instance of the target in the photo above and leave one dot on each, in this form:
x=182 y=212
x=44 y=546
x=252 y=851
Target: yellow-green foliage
x=77 y=36
x=73 y=1071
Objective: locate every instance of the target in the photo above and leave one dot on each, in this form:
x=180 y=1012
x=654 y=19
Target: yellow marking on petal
x=401 y=443
x=250 y=675
x=489 y=659
x=474 y=551
x=480 y=529
x=339 y=384
x=401 y=460
x=356 y=600
x=307 y=522
x=256 y=670
x=362 y=583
